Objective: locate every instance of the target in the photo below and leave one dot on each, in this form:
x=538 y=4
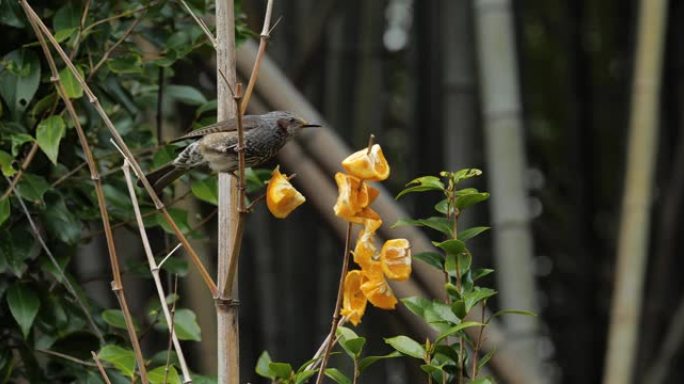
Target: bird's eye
x=292 y=120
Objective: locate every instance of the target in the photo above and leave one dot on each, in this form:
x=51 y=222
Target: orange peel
x=281 y=197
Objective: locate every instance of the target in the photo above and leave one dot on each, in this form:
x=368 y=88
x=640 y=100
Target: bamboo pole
x=228 y=352
x=506 y=166
x=632 y=248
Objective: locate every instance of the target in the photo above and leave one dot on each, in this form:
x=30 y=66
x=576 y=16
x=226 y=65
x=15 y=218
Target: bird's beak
x=311 y=126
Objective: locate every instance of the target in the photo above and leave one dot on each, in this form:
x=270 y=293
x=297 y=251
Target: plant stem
x=100 y=368
x=263 y=43
x=338 y=305
x=478 y=343
x=357 y=373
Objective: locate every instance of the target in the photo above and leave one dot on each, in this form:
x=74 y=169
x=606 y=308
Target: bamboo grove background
x=409 y=72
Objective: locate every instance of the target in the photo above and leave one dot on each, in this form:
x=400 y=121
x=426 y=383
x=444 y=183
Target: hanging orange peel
x=393 y=261
x=281 y=197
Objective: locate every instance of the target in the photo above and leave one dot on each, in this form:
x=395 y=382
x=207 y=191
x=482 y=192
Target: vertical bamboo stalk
x=504 y=139
x=226 y=307
x=635 y=225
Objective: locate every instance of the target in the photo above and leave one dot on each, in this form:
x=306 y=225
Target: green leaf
x=346 y=333
x=442 y=206
x=257 y=178
x=337 y=376
x=32 y=187
x=417 y=305
x=481 y=272
x=459 y=309
x=483 y=380
x=23 y=303
x=485 y=359
x=452 y=246
x=466 y=173
x=304 y=375
x=262 y=367
x=421 y=184
x=66 y=17
x=440 y=224
x=48 y=135
x=354 y=346
x=185 y=94
x=407 y=346
x=281 y=370
x=370 y=360
x=444 y=312
x=4 y=210
x=433 y=258
x=122 y=359
x=130 y=63
x=476 y=295
x=12 y=15
x=206 y=189
x=19 y=139
x=469 y=197
x=186 y=325
x=511 y=312
x=115 y=318
x=179 y=216
x=159 y=375
x=19 y=79
x=64 y=34
x=60 y=221
x=71 y=86
x=469 y=233
x=456 y=329
x=7 y=164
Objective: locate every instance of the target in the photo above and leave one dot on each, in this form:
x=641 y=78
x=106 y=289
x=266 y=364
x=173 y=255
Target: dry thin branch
x=117 y=285
x=55 y=264
x=124 y=148
x=200 y=22
x=20 y=172
x=100 y=368
x=111 y=49
x=65 y=357
x=338 y=305
x=263 y=43
x=154 y=268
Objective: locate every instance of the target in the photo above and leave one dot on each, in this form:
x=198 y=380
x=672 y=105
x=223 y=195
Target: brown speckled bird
x=215 y=146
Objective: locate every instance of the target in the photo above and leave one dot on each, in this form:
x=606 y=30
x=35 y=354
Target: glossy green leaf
x=444 y=312
x=456 y=329
x=466 y=173
x=337 y=376
x=485 y=359
x=115 y=318
x=186 y=325
x=263 y=368
x=32 y=187
x=407 y=346
x=206 y=189
x=23 y=303
x=7 y=164
x=304 y=375
x=4 y=210
x=421 y=184
x=66 y=17
x=433 y=258
x=122 y=359
x=71 y=86
x=452 y=246
x=417 y=305
x=126 y=64
x=281 y=370
x=61 y=221
x=49 y=134
x=442 y=207
x=354 y=346
x=481 y=272
x=440 y=224
x=18 y=140
x=161 y=375
x=367 y=361
x=477 y=295
x=346 y=332
x=11 y=14
x=257 y=178
x=19 y=79
x=179 y=216
x=469 y=233
x=185 y=94
x=469 y=197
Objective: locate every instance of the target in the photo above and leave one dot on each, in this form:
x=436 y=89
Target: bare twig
x=100 y=368
x=316 y=359
x=200 y=22
x=263 y=43
x=111 y=49
x=55 y=264
x=65 y=357
x=338 y=306
x=117 y=284
x=154 y=269
x=124 y=148
x=478 y=343
x=20 y=172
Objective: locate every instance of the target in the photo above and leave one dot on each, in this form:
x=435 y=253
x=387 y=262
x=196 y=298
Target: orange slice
x=352 y=195
x=353 y=301
x=281 y=197
x=368 y=165
x=377 y=290
x=395 y=258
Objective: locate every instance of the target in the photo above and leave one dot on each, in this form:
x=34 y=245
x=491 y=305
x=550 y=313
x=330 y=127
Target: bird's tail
x=162 y=177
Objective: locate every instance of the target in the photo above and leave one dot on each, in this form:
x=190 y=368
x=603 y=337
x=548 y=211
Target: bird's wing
x=248 y=122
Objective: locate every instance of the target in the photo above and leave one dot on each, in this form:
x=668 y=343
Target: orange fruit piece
x=365 y=248
x=395 y=258
x=281 y=197
x=353 y=300
x=352 y=195
x=367 y=165
x=377 y=290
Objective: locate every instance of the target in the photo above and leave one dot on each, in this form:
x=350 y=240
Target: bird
x=216 y=145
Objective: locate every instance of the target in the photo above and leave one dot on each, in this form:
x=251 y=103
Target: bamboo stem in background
x=228 y=351
x=632 y=247
x=506 y=170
